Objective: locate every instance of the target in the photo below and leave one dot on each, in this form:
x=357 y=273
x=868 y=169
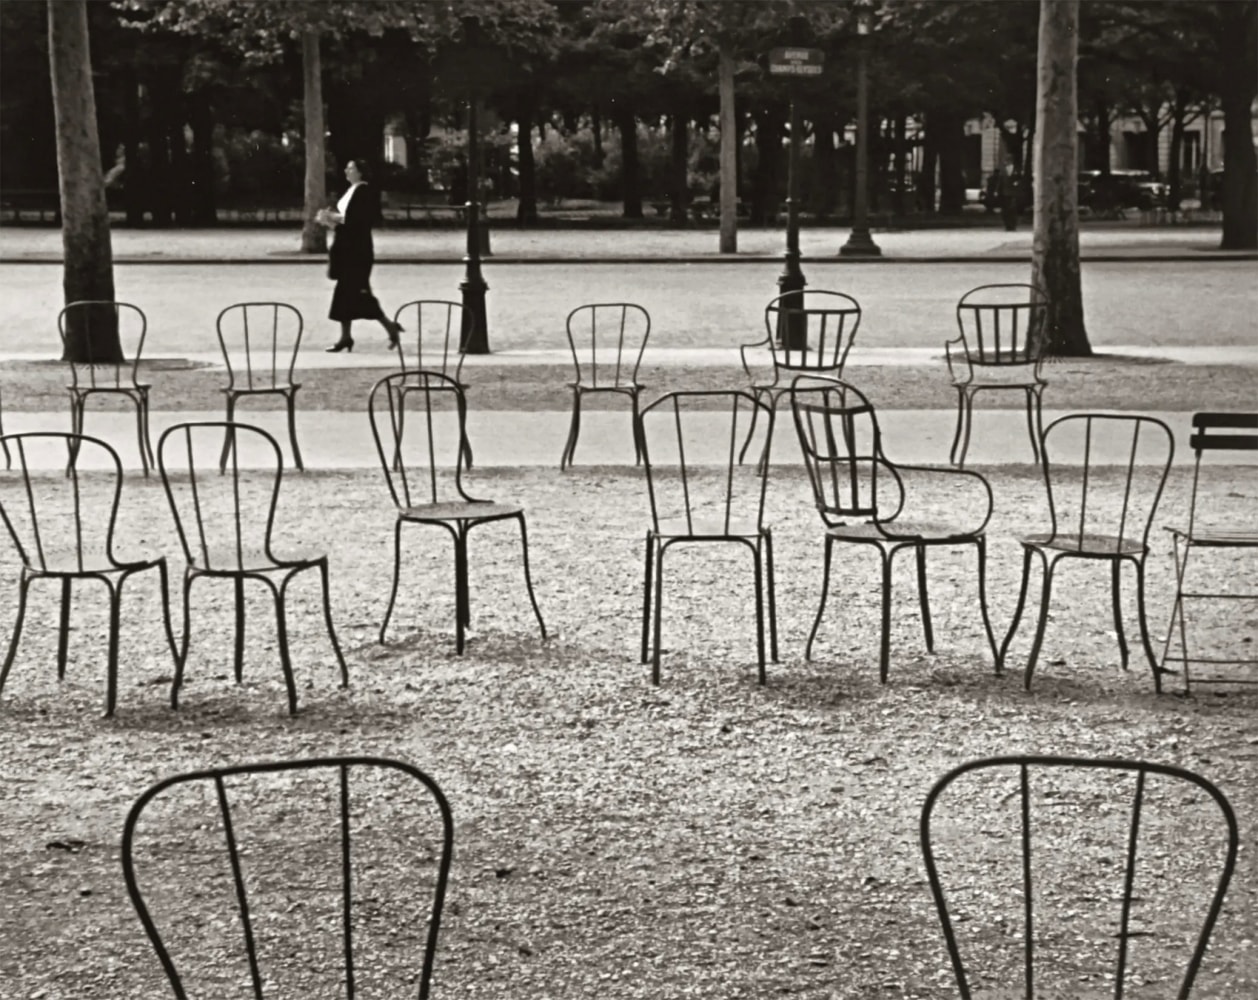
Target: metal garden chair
x=226 y=535
x=809 y=332
x=434 y=327
x=291 y=832
x=1000 y=346
x=689 y=442
x=263 y=338
x=866 y=499
x=1212 y=527
x=87 y=326
x=425 y=493
x=8 y=459
x=607 y=340
x=1091 y=916
x=63 y=530
x=1098 y=515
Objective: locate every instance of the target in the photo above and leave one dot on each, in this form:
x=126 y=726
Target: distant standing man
x=1009 y=197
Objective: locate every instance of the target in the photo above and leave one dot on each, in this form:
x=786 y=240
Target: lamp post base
x=860 y=244
x=475 y=333
x=792 y=331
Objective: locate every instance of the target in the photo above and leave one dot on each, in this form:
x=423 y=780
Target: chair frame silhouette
x=586 y=363
x=101 y=376
x=239 y=558
x=275 y=379
x=837 y=317
x=660 y=537
x=1023 y=765
x=4 y=445
x=415 y=312
x=849 y=485
x=38 y=562
x=458 y=516
x=995 y=341
x=1211 y=432
x=342 y=765
x=1075 y=542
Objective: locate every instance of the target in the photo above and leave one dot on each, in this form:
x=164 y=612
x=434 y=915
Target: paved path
x=342 y=440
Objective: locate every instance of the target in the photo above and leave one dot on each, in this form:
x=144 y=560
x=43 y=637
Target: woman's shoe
x=341 y=345
x=394 y=329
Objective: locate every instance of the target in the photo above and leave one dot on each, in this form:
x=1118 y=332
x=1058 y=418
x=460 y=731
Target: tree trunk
x=679 y=186
x=631 y=180
x=930 y=159
x=85 y=240
x=314 y=238
x=728 y=240
x=1174 y=178
x=526 y=211
x=949 y=130
x=766 y=196
x=1055 y=250
x=1237 y=89
x=201 y=113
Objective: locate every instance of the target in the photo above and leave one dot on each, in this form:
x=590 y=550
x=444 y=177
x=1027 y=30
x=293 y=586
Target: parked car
x=1120 y=189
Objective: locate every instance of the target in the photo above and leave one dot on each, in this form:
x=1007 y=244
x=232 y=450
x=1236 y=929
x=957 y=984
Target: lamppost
x=859 y=242
x=793 y=62
x=474 y=337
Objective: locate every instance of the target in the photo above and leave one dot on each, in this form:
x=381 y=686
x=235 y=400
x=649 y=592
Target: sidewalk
x=1105 y=242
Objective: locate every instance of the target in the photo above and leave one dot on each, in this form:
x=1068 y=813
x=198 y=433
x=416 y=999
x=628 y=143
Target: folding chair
x=1040 y=857
x=322 y=867
x=1213 y=433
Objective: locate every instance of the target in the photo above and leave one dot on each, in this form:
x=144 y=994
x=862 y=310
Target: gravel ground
x=704 y=838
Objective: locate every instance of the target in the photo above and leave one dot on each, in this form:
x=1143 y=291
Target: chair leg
x=141 y=420
x=751 y=430
x=1032 y=423
x=825 y=590
x=291 y=399
x=528 y=576
x=1116 y=568
x=76 y=427
x=467 y=579
x=646 y=596
x=170 y=631
x=637 y=428
x=399 y=426
x=755 y=556
x=924 y=597
x=1017 y=611
x=1045 y=596
x=659 y=600
x=465 y=446
x=968 y=407
x=182 y=660
x=327 y=618
x=63 y=629
x=1144 y=628
x=148 y=438
x=1177 y=615
x=22 y=587
x=574 y=430
x=884 y=643
x=460 y=576
x=239 y=659
x=773 y=605
x=397 y=572
x=281 y=639
x=1039 y=423
x=956 y=435
x=981 y=545
x=115 y=625
x=229 y=437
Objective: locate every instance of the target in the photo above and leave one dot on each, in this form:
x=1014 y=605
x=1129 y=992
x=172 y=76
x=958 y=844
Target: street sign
x=796 y=62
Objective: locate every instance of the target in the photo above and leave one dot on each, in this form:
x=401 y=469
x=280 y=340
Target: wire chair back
x=311 y=820
x=88 y=330
x=224 y=521
x=432 y=337
x=841 y=444
x=811 y=331
x=690 y=442
x=1170 y=813
x=1215 y=432
x=263 y=339
x=1105 y=474
x=56 y=521
x=420 y=451
x=1004 y=324
x=607 y=340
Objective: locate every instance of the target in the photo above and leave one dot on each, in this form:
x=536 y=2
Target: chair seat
x=703 y=528
x=623 y=387
x=924 y=531
x=225 y=559
x=1088 y=545
x=1239 y=538
x=83 y=390
x=64 y=560
x=459 y=510
x=1019 y=376
x=278 y=387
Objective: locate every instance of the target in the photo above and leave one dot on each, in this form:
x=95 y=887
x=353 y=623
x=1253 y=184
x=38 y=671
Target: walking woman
x=352 y=255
